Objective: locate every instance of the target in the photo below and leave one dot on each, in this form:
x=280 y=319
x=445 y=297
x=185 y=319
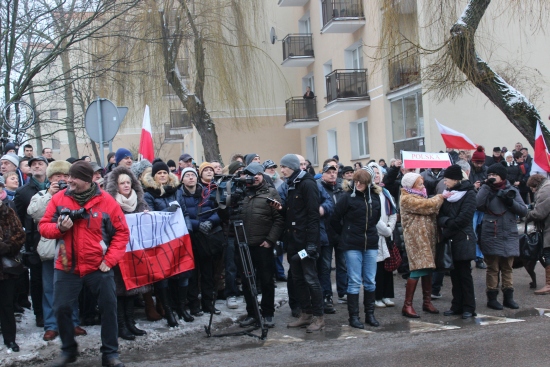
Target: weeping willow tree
x=453 y=39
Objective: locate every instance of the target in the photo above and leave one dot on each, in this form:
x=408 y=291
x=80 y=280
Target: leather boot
x=427 y=305
x=158 y=305
x=492 y=300
x=546 y=288
x=150 y=311
x=317 y=324
x=408 y=309
x=509 y=299
x=304 y=320
x=353 y=310
x=182 y=311
x=123 y=331
x=162 y=296
x=368 y=301
x=130 y=321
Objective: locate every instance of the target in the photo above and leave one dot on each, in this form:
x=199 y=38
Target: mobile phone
x=271 y=200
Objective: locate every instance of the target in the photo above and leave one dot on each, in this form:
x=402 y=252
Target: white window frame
x=308 y=80
x=359 y=141
x=332 y=142
x=327 y=69
x=312 y=151
x=353 y=56
x=304 y=24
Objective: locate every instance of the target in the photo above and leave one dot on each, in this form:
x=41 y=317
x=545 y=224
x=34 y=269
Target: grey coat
x=541 y=211
x=499 y=231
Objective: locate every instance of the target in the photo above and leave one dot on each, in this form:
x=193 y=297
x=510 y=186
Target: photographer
x=499 y=240
x=92 y=233
x=263 y=225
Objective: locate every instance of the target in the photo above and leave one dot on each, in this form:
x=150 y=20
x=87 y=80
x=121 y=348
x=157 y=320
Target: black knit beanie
x=160 y=166
x=498 y=169
x=82 y=170
x=453 y=172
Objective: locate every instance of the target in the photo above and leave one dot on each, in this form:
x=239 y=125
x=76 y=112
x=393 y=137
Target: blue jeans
x=478 y=219
x=361 y=269
x=50 y=323
x=231 y=289
x=67 y=286
x=324 y=265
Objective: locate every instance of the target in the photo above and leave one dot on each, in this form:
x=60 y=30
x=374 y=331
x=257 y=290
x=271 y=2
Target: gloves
x=531 y=206
x=311 y=250
x=172 y=208
x=491 y=183
x=205 y=227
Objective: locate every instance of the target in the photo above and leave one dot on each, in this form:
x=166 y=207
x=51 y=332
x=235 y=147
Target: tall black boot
x=353 y=310
x=182 y=298
x=162 y=294
x=492 y=300
x=509 y=299
x=130 y=321
x=368 y=301
x=123 y=331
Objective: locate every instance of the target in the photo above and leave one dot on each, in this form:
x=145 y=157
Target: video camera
x=73 y=214
x=233 y=186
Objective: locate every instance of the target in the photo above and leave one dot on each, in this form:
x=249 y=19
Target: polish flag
x=146 y=149
x=159 y=247
x=455 y=140
x=541 y=160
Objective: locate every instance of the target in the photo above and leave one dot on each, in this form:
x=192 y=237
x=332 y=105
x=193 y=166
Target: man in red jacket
x=92 y=235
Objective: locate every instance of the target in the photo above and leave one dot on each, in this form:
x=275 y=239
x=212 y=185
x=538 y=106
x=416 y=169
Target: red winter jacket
x=101 y=235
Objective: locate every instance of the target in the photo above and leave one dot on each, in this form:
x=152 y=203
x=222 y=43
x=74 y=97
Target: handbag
x=12 y=265
x=444 y=255
x=394 y=261
x=530 y=245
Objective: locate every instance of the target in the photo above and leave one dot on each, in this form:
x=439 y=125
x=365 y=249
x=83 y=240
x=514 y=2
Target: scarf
x=10 y=194
x=456 y=195
x=417 y=192
x=41 y=185
x=499 y=186
x=83 y=197
x=128 y=205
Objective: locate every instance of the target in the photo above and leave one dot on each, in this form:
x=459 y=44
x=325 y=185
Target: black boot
x=492 y=300
x=182 y=298
x=353 y=310
x=162 y=294
x=368 y=301
x=123 y=331
x=130 y=321
x=509 y=299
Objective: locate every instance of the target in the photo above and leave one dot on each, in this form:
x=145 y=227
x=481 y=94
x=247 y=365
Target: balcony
x=342 y=16
x=404 y=69
x=298 y=50
x=292 y=2
x=179 y=125
x=301 y=113
x=347 y=90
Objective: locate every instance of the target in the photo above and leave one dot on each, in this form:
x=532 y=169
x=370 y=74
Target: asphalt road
x=495 y=338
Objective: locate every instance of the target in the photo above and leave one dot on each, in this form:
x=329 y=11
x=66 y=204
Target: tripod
x=250 y=275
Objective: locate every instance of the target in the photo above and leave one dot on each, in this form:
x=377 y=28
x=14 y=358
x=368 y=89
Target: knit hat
x=203 y=166
x=8 y=147
x=234 y=166
x=479 y=154
x=496 y=149
x=409 y=179
x=171 y=163
x=82 y=170
x=188 y=169
x=122 y=153
x=13 y=158
x=498 y=169
x=254 y=168
x=347 y=169
x=370 y=171
x=269 y=164
x=508 y=154
x=185 y=157
x=453 y=172
x=249 y=157
x=159 y=166
x=54 y=167
x=138 y=167
x=291 y=161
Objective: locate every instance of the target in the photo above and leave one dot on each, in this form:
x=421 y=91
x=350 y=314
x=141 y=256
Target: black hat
x=160 y=166
x=234 y=166
x=453 y=172
x=185 y=157
x=347 y=169
x=39 y=158
x=82 y=170
x=498 y=169
x=171 y=163
x=496 y=149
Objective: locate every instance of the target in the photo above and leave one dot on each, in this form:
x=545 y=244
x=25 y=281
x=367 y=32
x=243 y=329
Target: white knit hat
x=409 y=179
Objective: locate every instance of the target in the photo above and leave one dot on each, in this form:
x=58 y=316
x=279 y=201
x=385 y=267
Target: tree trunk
x=69 y=103
x=515 y=106
x=36 y=127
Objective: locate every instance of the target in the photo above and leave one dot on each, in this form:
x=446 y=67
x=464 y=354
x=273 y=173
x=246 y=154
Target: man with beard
x=478 y=173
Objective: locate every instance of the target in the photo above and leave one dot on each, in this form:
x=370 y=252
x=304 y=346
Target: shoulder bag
x=530 y=244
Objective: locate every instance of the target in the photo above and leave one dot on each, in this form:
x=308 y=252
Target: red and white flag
x=541 y=159
x=159 y=247
x=455 y=140
x=425 y=160
x=146 y=149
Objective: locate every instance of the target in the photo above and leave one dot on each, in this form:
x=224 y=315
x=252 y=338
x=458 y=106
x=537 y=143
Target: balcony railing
x=347 y=84
x=292 y=2
x=342 y=11
x=171 y=134
x=301 y=113
x=298 y=50
x=404 y=69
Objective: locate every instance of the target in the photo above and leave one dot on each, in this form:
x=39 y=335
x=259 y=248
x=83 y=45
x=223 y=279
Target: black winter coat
x=22 y=199
x=158 y=197
x=456 y=222
x=336 y=193
x=392 y=182
x=192 y=202
x=355 y=223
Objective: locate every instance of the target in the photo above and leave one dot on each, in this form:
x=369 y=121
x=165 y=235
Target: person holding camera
x=499 y=240
x=92 y=234
x=57 y=173
x=263 y=226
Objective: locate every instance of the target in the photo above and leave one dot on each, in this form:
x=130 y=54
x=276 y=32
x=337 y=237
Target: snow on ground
x=34 y=349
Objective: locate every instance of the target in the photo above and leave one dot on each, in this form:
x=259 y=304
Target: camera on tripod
x=72 y=214
x=235 y=184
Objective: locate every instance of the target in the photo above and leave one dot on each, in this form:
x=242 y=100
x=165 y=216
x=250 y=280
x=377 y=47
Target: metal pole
x=100 y=123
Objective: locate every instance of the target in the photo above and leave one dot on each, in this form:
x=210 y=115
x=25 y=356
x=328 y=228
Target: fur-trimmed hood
x=158 y=190
x=112 y=186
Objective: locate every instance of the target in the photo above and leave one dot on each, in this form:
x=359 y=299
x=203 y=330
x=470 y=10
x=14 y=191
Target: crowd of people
x=65 y=221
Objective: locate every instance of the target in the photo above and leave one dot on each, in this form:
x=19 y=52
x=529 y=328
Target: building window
x=353 y=56
x=332 y=138
x=54 y=115
x=359 y=139
x=311 y=150
x=56 y=144
x=304 y=24
x=308 y=81
x=408 y=123
x=179 y=119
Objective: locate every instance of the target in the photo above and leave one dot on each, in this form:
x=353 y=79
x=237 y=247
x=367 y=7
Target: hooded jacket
x=112 y=187
x=158 y=197
x=12 y=236
x=541 y=212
